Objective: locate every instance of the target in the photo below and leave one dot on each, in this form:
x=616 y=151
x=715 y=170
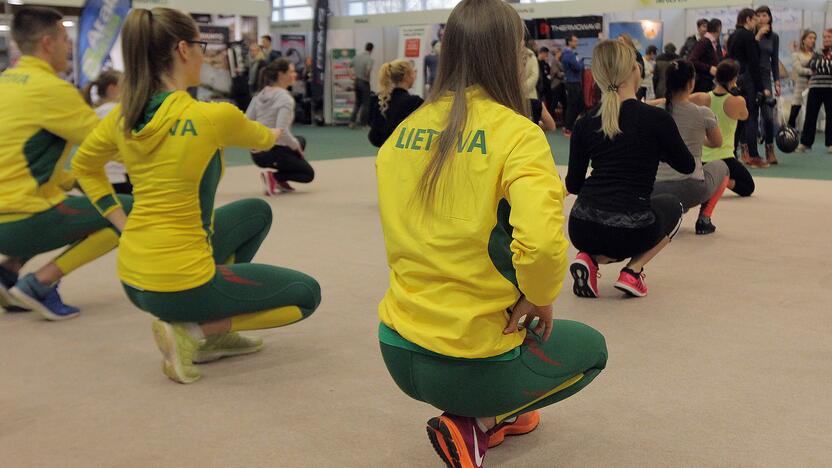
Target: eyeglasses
x=203 y=44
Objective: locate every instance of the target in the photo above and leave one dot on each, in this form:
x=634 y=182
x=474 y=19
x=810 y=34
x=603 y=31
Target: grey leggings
x=694 y=192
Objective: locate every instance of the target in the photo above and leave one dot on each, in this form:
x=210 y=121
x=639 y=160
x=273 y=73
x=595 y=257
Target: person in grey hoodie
x=274 y=107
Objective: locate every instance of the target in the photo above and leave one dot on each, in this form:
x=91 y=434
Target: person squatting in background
x=43 y=117
x=274 y=107
x=698 y=126
x=180 y=259
x=103 y=95
x=393 y=103
x=614 y=217
x=728 y=105
x=454 y=343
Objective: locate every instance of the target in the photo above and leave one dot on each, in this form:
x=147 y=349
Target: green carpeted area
x=341 y=142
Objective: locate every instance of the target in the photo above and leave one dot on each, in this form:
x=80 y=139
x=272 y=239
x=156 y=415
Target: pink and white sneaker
x=585 y=274
x=282 y=185
x=458 y=440
x=269 y=183
x=632 y=283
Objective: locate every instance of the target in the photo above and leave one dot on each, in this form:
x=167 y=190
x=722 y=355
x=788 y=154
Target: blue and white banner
x=98 y=29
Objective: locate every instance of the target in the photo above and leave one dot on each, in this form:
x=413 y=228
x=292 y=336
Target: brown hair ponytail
x=148 y=41
x=105 y=80
x=484 y=37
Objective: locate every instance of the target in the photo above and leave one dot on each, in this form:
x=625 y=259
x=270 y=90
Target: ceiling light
x=68 y=23
x=15 y=2
x=4 y=27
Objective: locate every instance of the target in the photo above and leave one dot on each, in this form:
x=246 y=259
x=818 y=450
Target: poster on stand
x=644 y=33
x=414 y=45
x=293 y=47
x=343 y=86
x=216 y=73
x=553 y=32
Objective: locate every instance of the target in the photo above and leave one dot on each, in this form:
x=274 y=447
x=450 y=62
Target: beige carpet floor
x=728 y=361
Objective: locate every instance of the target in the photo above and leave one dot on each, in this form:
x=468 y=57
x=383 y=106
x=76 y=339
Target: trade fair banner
x=414 y=45
x=216 y=71
x=343 y=85
x=98 y=28
x=561 y=28
x=319 y=33
x=644 y=33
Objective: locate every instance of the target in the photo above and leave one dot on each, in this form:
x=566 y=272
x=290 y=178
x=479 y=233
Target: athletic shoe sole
x=166 y=342
x=35 y=306
x=442 y=439
x=202 y=358
x=499 y=437
x=580 y=273
x=9 y=303
x=629 y=290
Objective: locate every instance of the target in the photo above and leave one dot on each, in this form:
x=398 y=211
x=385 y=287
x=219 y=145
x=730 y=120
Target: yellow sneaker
x=226 y=345
x=178 y=348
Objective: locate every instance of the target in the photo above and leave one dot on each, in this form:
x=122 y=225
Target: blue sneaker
x=43 y=299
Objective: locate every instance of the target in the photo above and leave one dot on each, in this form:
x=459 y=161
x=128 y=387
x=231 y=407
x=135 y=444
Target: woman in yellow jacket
x=472 y=213
x=178 y=258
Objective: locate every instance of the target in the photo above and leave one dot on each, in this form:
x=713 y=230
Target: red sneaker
x=458 y=440
x=521 y=425
x=283 y=186
x=269 y=185
x=632 y=283
x=585 y=273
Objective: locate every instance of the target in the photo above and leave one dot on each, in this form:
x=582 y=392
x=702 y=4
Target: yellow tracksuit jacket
x=175 y=162
x=42 y=117
x=497 y=232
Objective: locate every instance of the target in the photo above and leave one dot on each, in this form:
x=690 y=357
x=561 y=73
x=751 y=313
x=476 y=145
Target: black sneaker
x=705 y=227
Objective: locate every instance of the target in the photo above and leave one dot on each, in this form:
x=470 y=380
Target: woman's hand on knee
x=526 y=309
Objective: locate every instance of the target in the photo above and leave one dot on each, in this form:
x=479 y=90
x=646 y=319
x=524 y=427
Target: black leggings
x=793 y=116
x=817 y=97
x=743 y=182
x=290 y=166
x=620 y=243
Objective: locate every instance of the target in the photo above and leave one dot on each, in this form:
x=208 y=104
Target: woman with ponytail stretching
x=393 y=103
x=179 y=259
x=614 y=218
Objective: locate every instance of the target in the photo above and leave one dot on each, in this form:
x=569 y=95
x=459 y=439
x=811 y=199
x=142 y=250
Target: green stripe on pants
x=485 y=388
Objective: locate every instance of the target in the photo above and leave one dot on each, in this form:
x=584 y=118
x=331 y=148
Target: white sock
x=194 y=330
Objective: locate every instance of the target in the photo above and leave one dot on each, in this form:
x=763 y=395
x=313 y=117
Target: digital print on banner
x=98 y=28
x=343 y=85
x=644 y=33
x=216 y=74
x=414 y=45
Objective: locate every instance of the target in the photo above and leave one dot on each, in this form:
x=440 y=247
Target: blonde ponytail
x=391 y=75
x=613 y=63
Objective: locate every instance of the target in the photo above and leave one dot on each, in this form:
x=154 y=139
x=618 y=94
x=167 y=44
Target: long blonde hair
x=391 y=75
x=149 y=38
x=613 y=63
x=485 y=40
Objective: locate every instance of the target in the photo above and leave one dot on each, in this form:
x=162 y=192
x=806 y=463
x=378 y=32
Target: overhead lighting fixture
x=68 y=23
x=15 y=2
x=4 y=27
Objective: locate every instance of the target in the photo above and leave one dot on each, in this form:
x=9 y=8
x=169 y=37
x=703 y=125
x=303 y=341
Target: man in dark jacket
x=705 y=56
x=743 y=47
x=690 y=43
x=663 y=61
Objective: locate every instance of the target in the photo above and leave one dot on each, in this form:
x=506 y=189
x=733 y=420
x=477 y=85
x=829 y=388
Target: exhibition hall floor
x=726 y=363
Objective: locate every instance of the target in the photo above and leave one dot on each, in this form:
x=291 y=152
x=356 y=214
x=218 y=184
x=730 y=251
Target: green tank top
x=727 y=126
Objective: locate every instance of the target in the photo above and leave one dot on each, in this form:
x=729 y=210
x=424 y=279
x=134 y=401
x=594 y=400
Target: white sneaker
x=801 y=148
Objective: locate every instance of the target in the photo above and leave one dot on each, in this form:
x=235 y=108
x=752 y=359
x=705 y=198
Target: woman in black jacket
x=393 y=103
